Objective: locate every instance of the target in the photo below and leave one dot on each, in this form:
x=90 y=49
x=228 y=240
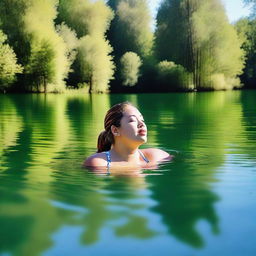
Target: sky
x=235 y=9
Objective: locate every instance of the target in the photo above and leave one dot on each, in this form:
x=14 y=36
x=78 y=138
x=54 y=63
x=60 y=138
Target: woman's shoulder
x=96 y=160
x=156 y=154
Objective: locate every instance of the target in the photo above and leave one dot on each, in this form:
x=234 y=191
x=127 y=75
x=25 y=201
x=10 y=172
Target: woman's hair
x=113 y=117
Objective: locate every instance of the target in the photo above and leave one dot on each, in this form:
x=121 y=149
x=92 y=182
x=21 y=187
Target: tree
x=171 y=76
x=41 y=66
x=90 y=20
x=95 y=66
x=85 y=17
x=130 y=67
x=8 y=64
x=30 y=25
x=187 y=35
x=12 y=24
x=246 y=29
x=131 y=28
x=40 y=30
x=131 y=31
x=70 y=38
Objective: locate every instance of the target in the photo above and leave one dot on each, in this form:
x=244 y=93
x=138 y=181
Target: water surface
x=202 y=203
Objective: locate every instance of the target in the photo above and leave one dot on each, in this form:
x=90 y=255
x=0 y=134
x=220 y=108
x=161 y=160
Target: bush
x=130 y=67
x=8 y=64
x=171 y=76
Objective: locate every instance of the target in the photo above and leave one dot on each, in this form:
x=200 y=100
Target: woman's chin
x=143 y=139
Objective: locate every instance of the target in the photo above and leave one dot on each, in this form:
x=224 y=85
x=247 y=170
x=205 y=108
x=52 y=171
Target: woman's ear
x=115 y=130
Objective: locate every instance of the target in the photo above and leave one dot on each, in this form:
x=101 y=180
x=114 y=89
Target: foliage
x=172 y=76
x=40 y=30
x=90 y=21
x=70 y=38
x=131 y=31
x=30 y=27
x=187 y=35
x=131 y=27
x=130 y=64
x=12 y=23
x=92 y=60
x=8 y=63
x=246 y=29
x=82 y=43
x=85 y=17
x=41 y=68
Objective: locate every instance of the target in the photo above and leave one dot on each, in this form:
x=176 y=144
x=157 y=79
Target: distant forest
x=110 y=46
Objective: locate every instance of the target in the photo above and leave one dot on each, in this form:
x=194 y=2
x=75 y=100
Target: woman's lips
x=142 y=132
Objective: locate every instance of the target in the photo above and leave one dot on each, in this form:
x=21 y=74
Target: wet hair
x=113 y=117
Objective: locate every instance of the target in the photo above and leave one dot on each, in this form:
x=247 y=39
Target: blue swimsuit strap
x=143 y=156
x=108 y=158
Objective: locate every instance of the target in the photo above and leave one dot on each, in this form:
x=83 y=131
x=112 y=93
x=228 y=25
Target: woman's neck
x=125 y=153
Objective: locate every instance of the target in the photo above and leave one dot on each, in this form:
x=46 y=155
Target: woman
x=118 y=145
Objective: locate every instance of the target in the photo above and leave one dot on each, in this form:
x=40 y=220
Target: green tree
x=131 y=30
x=130 y=64
x=95 y=66
x=196 y=34
x=90 y=20
x=30 y=27
x=8 y=64
x=246 y=29
x=41 y=66
x=12 y=24
x=70 y=38
x=46 y=44
x=171 y=76
x=85 y=17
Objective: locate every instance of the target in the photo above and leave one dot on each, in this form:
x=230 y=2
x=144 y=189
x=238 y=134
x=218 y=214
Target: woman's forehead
x=130 y=110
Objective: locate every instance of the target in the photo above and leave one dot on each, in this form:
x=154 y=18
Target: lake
x=201 y=203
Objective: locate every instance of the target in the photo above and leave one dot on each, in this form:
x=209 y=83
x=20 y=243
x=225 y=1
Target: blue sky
x=235 y=8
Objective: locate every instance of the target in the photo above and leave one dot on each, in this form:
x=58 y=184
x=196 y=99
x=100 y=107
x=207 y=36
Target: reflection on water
x=50 y=205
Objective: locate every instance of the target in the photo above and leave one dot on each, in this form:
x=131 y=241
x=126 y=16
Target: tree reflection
x=43 y=187
x=199 y=125
x=10 y=125
x=247 y=143
x=105 y=200
x=106 y=204
x=24 y=180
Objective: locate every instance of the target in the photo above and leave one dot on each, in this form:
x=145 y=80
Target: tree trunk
x=45 y=85
x=90 y=84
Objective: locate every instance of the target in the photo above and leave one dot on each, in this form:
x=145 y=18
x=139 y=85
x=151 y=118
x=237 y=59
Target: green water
x=202 y=203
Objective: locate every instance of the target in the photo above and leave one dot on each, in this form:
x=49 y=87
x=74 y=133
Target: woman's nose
x=140 y=124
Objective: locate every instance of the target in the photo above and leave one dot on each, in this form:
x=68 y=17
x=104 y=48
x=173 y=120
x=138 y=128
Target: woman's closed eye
x=136 y=119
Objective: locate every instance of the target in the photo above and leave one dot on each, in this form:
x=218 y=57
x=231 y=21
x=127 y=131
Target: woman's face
x=133 y=127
